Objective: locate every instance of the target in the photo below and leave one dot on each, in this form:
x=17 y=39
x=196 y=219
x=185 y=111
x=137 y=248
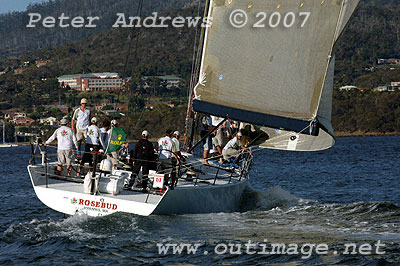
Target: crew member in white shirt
x=80 y=122
x=92 y=144
x=166 y=156
x=65 y=138
x=232 y=148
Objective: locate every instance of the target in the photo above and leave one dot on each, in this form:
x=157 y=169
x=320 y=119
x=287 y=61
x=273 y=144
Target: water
x=346 y=195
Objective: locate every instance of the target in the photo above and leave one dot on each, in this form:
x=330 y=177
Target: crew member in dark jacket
x=142 y=156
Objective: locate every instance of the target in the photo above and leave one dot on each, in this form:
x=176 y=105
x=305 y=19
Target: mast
x=4 y=132
x=197 y=55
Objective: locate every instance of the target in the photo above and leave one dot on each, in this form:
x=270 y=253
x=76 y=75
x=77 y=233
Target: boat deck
x=201 y=176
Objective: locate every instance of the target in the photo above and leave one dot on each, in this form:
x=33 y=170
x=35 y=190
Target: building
x=396 y=84
x=14 y=116
x=390 y=61
x=48 y=121
x=99 y=107
x=40 y=63
x=381 y=89
x=122 y=107
x=19 y=70
x=170 y=80
x=347 y=88
x=23 y=121
x=92 y=82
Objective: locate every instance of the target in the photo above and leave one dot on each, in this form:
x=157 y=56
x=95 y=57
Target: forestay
x=275 y=70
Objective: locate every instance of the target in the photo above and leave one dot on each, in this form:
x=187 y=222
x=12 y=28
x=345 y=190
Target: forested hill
x=16 y=38
x=373 y=33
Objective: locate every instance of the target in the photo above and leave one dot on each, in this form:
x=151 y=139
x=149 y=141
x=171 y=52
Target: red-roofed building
x=19 y=70
x=63 y=109
x=40 y=63
x=13 y=116
x=122 y=107
x=23 y=121
x=99 y=107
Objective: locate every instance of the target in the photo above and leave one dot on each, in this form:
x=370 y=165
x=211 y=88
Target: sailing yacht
x=266 y=64
x=4 y=144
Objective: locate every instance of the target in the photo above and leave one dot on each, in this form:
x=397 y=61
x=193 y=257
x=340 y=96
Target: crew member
x=206 y=127
x=113 y=156
x=232 y=148
x=104 y=134
x=80 y=122
x=165 y=147
x=178 y=155
x=92 y=144
x=141 y=157
x=65 y=139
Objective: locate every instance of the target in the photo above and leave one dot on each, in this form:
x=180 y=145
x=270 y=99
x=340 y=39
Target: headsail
x=276 y=71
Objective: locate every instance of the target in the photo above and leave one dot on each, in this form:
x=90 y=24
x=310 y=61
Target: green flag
x=117 y=138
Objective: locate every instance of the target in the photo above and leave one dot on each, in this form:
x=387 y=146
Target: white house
x=347 y=88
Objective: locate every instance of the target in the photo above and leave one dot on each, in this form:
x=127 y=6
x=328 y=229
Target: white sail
x=275 y=71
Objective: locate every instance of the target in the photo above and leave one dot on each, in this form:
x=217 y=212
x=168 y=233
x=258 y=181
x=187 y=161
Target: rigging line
x=329 y=59
x=139 y=12
x=194 y=53
x=195 y=64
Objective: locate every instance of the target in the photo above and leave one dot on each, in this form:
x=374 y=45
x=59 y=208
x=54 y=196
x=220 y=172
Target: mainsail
x=275 y=69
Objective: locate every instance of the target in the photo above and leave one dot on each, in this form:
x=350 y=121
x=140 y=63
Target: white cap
x=239 y=134
x=176 y=133
x=145 y=133
x=84 y=100
x=114 y=122
x=94 y=120
x=64 y=121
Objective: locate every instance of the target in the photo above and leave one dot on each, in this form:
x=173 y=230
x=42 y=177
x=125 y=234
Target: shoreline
x=343 y=134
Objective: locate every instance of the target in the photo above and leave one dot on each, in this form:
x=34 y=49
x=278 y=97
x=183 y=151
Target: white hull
x=206 y=197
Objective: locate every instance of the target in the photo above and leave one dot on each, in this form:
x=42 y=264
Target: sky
x=16 y=5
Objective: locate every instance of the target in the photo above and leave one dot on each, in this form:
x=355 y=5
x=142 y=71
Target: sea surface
x=345 y=201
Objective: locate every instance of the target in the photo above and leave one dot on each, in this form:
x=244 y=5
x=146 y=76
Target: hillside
x=16 y=38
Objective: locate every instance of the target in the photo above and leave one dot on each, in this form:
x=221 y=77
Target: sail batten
x=279 y=75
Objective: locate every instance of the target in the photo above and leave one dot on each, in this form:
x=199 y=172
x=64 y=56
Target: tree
x=136 y=104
